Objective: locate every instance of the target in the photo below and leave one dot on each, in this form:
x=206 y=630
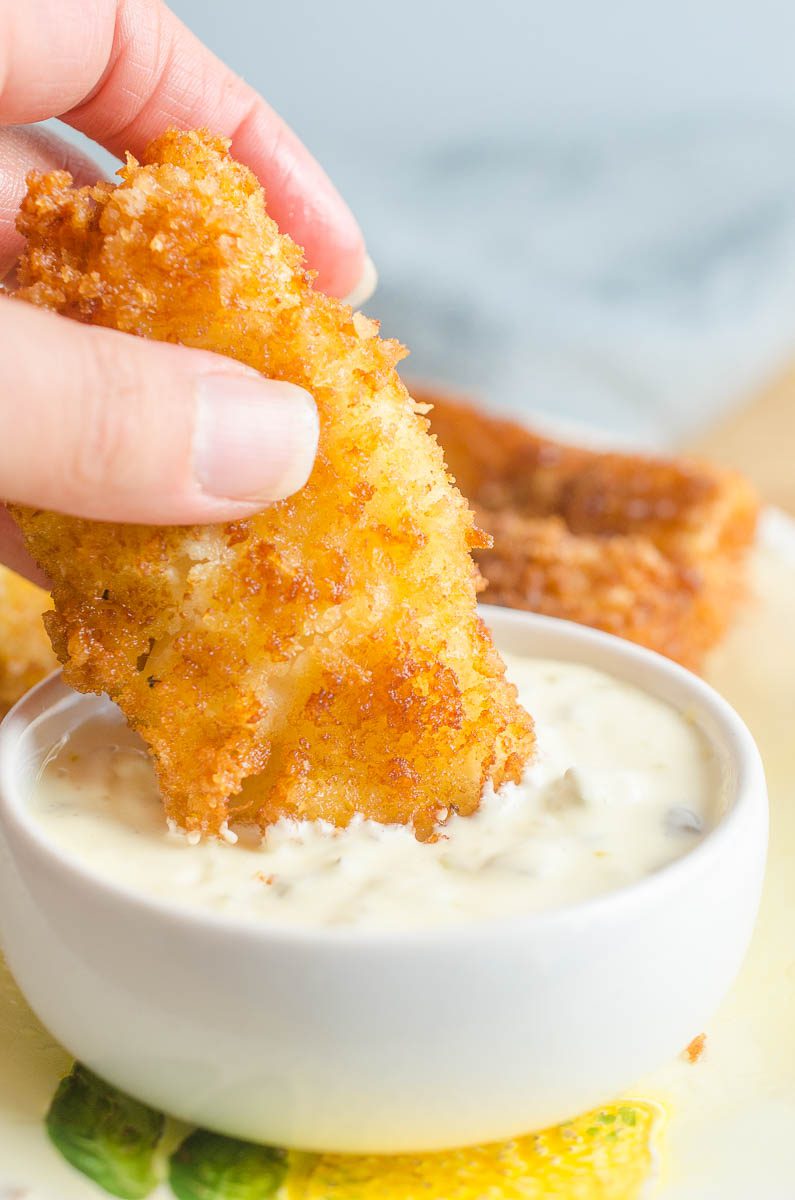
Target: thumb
x=102 y=424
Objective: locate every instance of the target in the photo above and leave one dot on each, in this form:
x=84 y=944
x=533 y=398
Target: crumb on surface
x=695 y=1049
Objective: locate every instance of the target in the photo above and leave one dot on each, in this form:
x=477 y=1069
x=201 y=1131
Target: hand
x=82 y=425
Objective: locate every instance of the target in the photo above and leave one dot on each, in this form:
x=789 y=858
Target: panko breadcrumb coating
x=650 y=549
x=25 y=652
x=327 y=652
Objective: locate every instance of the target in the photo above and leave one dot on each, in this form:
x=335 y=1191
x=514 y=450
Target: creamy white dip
x=621 y=785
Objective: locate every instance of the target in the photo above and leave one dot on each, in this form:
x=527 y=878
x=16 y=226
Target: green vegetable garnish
x=209 y=1166
x=105 y=1134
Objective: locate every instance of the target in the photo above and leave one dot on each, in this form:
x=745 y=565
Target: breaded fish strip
x=25 y=652
x=327 y=652
x=649 y=549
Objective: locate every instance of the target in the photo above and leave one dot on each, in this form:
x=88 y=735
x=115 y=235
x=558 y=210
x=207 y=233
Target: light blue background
x=581 y=209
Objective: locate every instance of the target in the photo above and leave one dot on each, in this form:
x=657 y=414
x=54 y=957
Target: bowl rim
x=746 y=807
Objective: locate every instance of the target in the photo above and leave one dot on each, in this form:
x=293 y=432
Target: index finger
x=121 y=71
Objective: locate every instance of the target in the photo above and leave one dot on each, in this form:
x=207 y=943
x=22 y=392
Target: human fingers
x=101 y=424
x=13 y=553
x=123 y=70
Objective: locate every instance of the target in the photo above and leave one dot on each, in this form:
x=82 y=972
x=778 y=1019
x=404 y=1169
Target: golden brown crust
x=649 y=549
x=25 y=652
x=328 y=650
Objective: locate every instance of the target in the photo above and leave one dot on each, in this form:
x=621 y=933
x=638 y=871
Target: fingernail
x=255 y=439
x=366 y=285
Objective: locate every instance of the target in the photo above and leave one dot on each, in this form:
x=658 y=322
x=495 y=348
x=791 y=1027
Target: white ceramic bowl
x=366 y=1041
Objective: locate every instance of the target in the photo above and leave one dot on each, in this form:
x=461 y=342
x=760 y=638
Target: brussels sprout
x=209 y=1166
x=105 y=1134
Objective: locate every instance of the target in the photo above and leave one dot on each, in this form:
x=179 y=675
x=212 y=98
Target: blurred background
x=583 y=211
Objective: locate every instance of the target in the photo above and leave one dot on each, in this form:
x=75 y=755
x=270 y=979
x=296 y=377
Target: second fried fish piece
x=650 y=549
x=25 y=653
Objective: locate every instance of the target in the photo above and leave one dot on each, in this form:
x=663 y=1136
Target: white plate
x=729 y=1132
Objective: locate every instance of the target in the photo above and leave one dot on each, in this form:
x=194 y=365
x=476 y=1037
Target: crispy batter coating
x=649 y=549
x=25 y=652
x=327 y=652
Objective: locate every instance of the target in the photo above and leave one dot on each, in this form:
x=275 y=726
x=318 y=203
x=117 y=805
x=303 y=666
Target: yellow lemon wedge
x=609 y=1154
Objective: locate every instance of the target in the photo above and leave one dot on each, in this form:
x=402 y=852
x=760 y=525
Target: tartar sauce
x=621 y=785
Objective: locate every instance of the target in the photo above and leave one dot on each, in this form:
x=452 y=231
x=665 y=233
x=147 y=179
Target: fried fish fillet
x=25 y=652
x=323 y=658
x=650 y=549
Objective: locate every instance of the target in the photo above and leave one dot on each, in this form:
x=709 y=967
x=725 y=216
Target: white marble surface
x=640 y=282
x=587 y=211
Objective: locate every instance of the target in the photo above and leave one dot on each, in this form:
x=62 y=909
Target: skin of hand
x=97 y=423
